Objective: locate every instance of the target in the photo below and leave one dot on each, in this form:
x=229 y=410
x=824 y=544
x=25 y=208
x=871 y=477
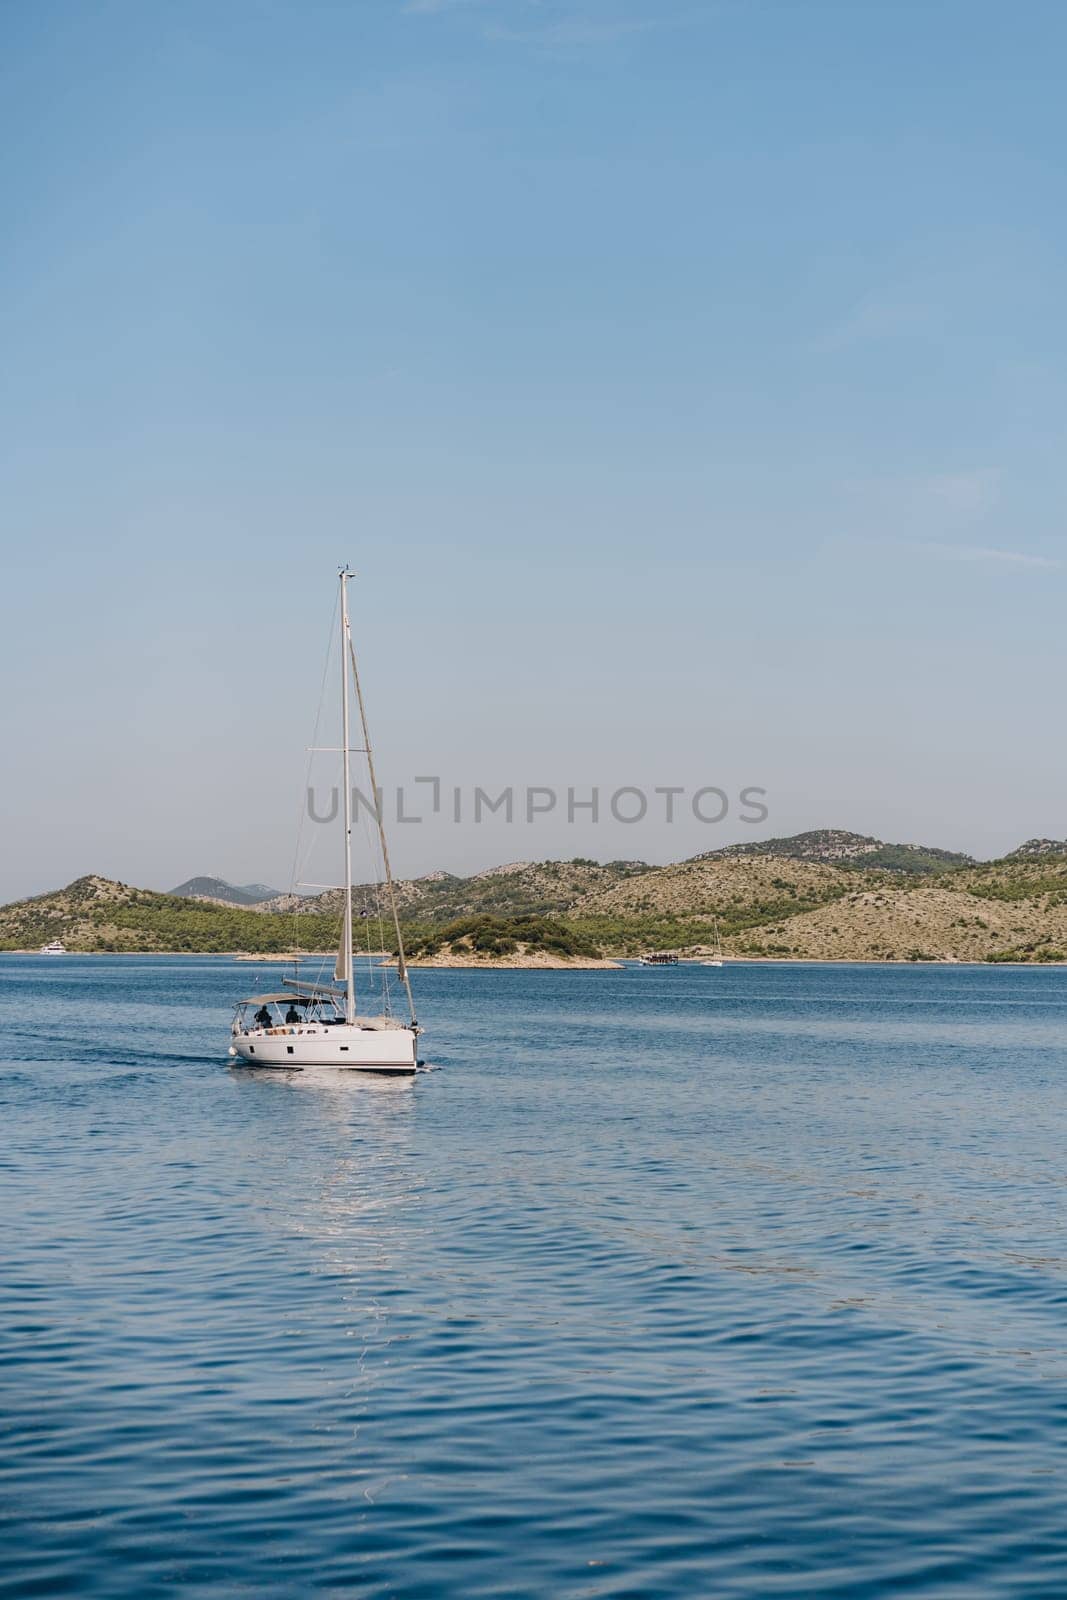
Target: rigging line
x=322 y=912
x=383 y=968
x=373 y=853
x=307 y=773
x=401 y=963
x=375 y=900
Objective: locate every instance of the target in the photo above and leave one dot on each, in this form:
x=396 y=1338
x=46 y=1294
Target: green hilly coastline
x=823 y=895
x=98 y=914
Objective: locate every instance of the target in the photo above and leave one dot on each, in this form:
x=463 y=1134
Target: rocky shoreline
x=538 y=961
x=558 y=964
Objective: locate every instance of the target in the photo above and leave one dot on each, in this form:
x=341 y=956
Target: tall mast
x=350 y=977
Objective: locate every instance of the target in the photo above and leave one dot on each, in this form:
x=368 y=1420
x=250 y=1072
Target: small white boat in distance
x=716 y=959
x=319 y=1027
x=56 y=948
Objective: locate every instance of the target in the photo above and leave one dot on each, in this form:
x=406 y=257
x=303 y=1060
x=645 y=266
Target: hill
x=519 y=888
x=678 y=906
x=506 y=942
x=97 y=913
x=1039 y=876
x=223 y=893
x=931 y=922
x=776 y=899
x=839 y=848
x=736 y=889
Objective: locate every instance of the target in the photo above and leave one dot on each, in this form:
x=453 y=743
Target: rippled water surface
x=667 y=1283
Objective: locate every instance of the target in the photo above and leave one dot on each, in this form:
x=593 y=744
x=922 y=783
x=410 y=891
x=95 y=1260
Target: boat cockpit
x=312 y=1009
x=289 y=1012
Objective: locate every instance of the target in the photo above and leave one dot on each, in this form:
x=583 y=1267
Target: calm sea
x=687 y=1283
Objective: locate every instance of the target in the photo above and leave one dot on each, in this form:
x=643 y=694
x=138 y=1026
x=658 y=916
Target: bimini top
x=288 y=998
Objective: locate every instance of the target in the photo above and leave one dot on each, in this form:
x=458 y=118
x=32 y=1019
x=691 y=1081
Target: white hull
x=350 y=1049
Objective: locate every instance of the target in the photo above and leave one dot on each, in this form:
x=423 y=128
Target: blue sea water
x=687 y=1282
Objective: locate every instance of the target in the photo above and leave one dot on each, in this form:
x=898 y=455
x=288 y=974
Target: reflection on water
x=703 y=1282
x=326 y=1081
x=365 y=1123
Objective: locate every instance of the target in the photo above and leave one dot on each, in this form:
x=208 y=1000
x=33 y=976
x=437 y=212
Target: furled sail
x=344 y=954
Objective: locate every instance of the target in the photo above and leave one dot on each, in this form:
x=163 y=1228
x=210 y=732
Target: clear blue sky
x=687 y=384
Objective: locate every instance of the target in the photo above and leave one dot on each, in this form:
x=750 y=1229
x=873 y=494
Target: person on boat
x=292 y=1015
x=263 y=1017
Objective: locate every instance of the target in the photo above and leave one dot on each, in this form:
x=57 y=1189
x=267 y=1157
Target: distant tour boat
x=315 y=1025
x=56 y=948
x=670 y=958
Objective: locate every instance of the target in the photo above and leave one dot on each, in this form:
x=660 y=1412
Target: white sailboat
x=715 y=960
x=320 y=1027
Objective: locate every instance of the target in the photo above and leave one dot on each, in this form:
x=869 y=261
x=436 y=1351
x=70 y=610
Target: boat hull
x=345 y=1049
